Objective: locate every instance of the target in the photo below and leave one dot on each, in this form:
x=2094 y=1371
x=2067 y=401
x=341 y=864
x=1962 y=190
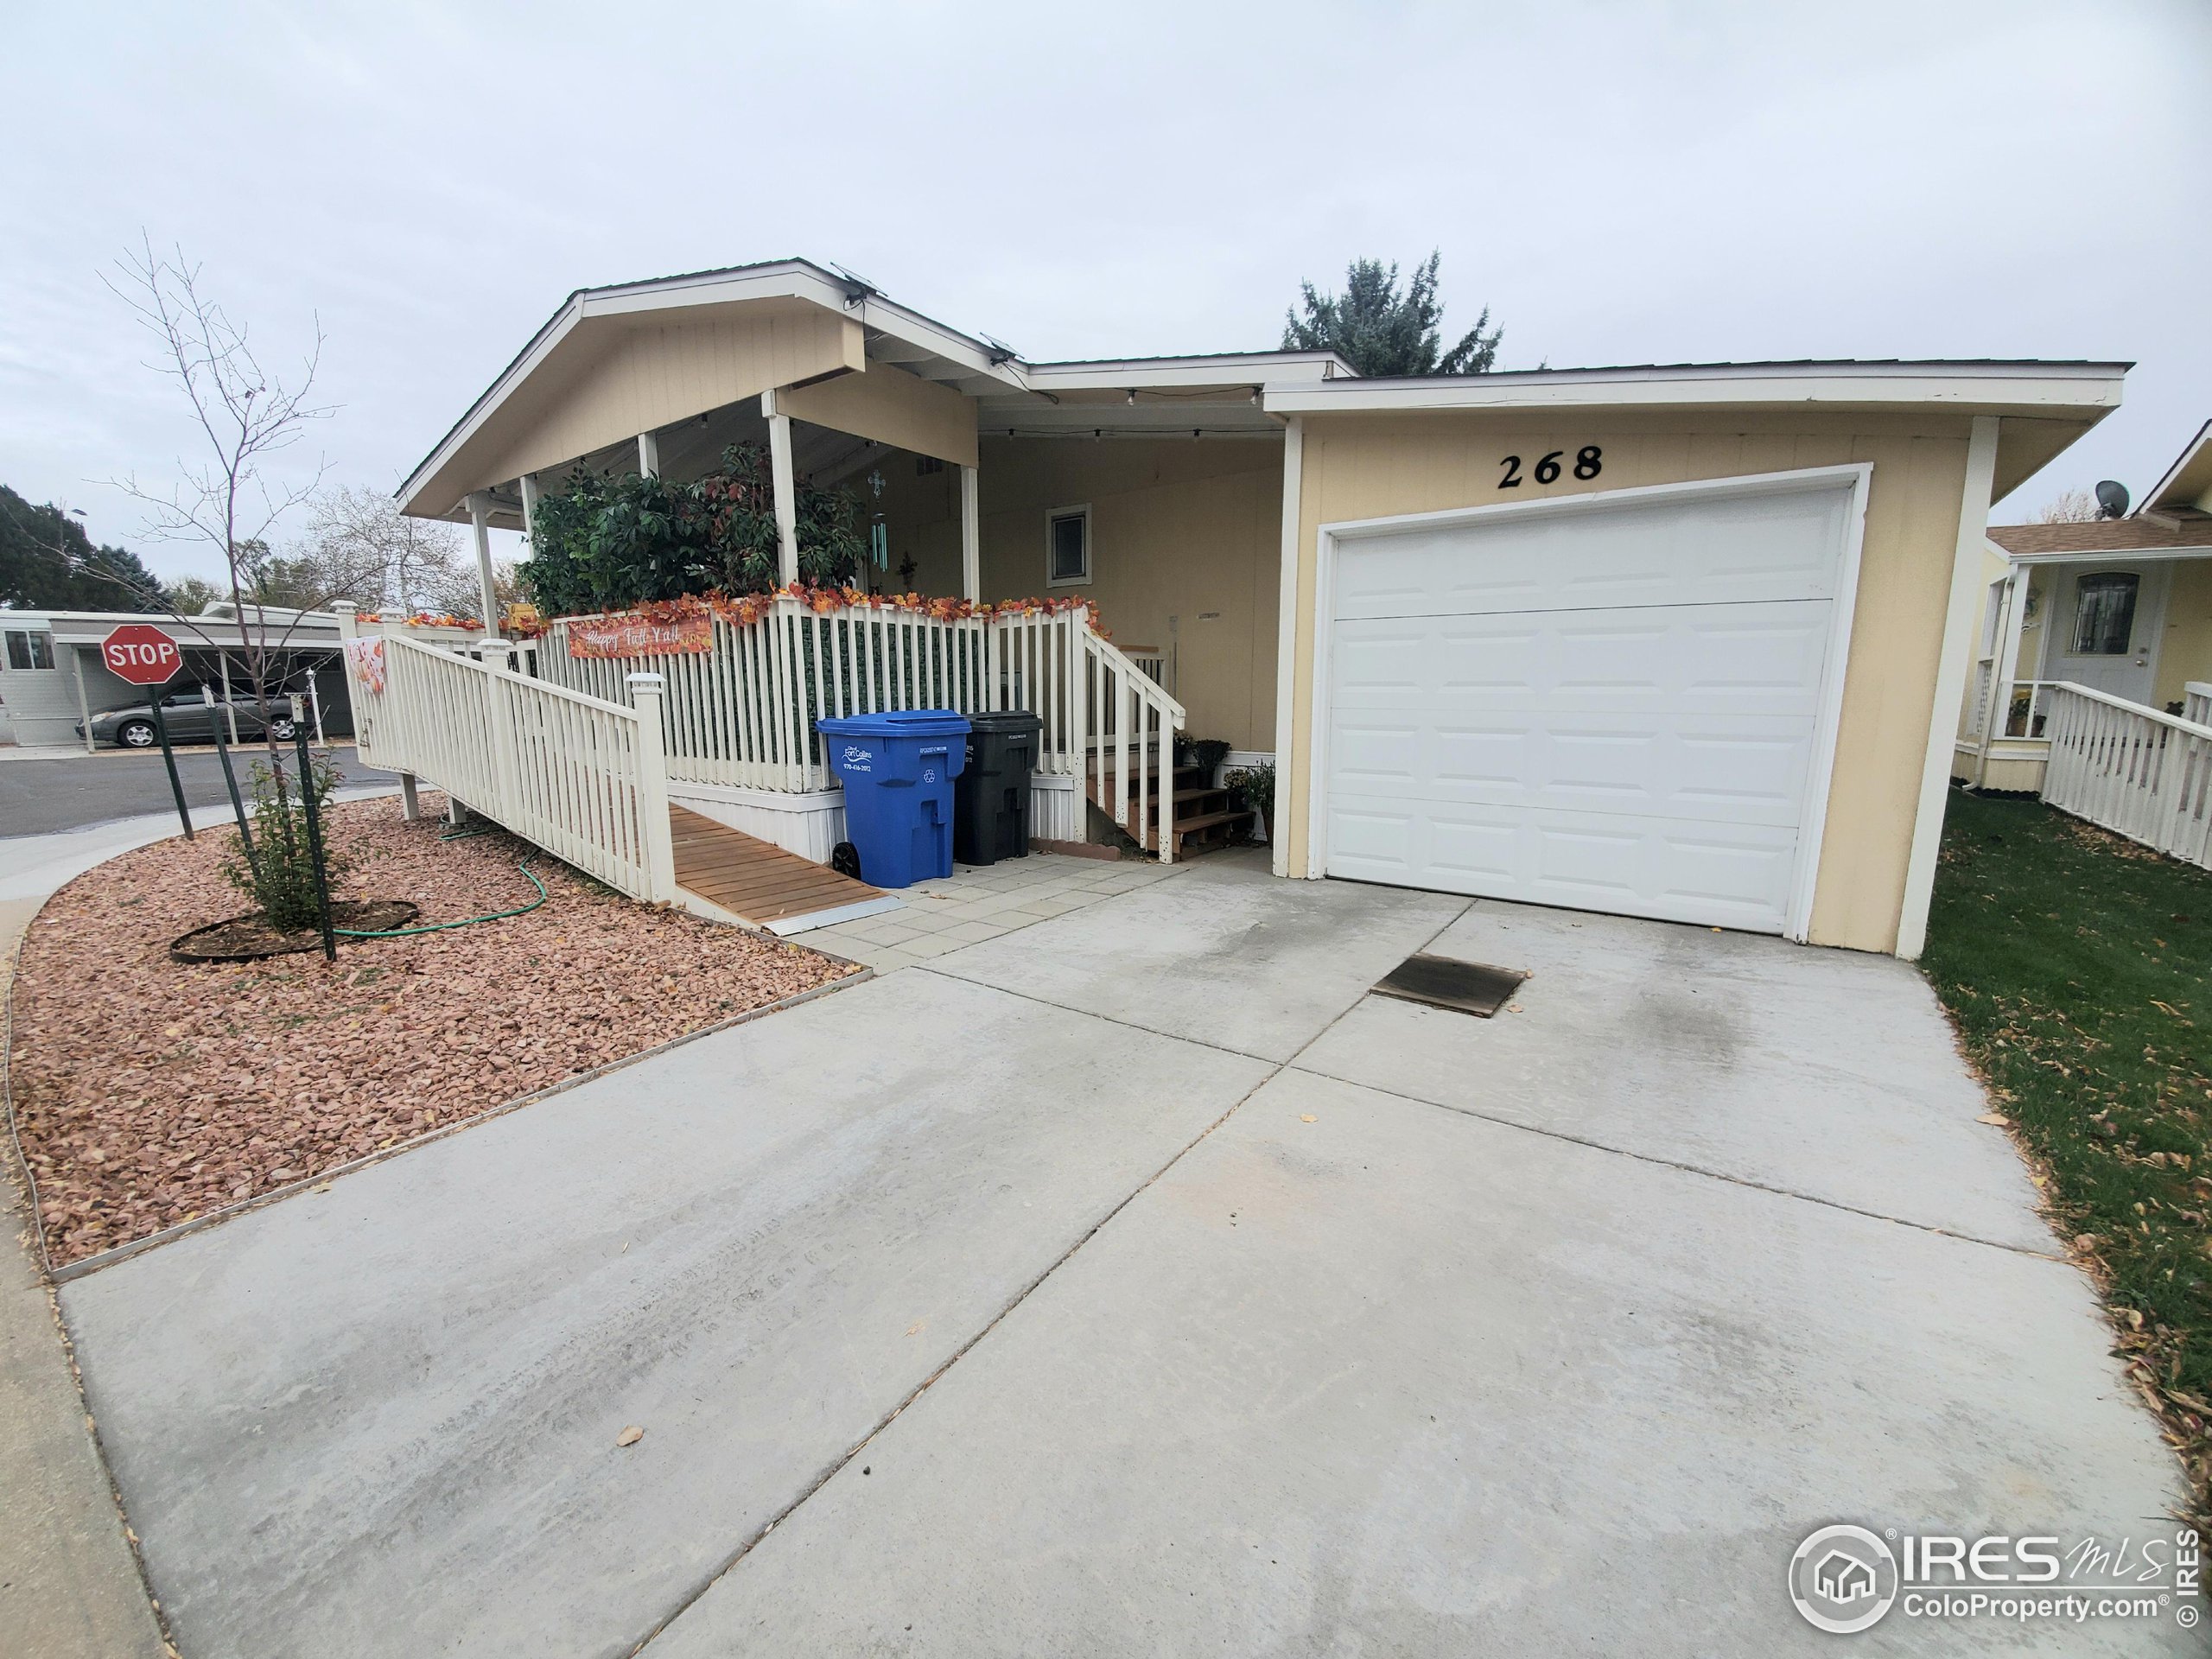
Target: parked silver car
x=190 y=720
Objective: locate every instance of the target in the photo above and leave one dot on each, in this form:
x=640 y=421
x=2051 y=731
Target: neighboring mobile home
x=2122 y=606
x=1683 y=642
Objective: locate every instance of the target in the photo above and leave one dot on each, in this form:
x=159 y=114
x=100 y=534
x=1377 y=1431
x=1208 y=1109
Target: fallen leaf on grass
x=1997 y=1118
x=630 y=1436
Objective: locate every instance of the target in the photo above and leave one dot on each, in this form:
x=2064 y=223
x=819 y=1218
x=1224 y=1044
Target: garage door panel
x=1614 y=711
x=1740 y=769
x=1752 y=659
x=1687 y=873
x=1717 y=551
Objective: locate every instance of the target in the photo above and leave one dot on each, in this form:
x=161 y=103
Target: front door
x=2108 y=620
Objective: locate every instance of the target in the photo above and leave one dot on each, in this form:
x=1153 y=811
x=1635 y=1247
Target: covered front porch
x=1097 y=543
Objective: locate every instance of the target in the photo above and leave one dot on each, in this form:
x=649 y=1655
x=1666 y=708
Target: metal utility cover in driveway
x=1470 y=986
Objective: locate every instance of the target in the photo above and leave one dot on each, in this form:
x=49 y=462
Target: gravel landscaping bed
x=148 y=1091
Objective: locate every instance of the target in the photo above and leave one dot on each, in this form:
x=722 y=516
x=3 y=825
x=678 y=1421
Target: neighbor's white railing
x=743 y=712
x=2196 y=704
x=583 y=777
x=2143 y=774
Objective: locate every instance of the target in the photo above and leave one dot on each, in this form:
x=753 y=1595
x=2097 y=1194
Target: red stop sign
x=140 y=653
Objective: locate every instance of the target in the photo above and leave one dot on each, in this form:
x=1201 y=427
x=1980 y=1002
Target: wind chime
x=878 y=533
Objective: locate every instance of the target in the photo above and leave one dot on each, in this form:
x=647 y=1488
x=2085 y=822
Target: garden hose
x=458 y=833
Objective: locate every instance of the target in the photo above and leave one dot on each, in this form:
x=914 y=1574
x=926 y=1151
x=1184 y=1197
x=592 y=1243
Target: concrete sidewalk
x=69 y=1584
x=1131 y=1282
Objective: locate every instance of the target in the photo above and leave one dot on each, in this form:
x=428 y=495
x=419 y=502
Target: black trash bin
x=990 y=797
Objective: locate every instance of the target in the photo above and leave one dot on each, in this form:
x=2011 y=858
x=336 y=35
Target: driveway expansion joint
x=1677 y=1163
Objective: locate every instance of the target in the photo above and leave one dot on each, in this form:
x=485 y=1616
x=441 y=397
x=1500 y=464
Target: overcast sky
x=1620 y=183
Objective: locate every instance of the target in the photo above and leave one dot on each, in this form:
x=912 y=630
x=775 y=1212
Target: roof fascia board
x=2108 y=554
x=1266 y=368
x=2025 y=387
x=2196 y=447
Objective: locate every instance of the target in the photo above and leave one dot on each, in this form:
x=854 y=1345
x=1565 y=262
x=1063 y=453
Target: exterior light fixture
x=1132 y=396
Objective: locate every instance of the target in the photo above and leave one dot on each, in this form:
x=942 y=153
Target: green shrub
x=278 y=874
x=607 y=543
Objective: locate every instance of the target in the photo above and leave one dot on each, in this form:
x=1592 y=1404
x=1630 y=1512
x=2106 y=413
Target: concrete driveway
x=1134 y=1284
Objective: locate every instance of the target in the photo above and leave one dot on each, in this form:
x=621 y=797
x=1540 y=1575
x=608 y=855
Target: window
x=1067 y=547
x=2104 y=614
x=29 y=648
x=925 y=465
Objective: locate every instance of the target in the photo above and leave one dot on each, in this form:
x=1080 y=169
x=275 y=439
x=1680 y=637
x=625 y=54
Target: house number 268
x=1589 y=462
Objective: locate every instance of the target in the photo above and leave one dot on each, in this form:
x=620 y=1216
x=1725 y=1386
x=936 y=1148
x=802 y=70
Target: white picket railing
x=742 y=712
x=2196 y=704
x=583 y=777
x=2135 y=771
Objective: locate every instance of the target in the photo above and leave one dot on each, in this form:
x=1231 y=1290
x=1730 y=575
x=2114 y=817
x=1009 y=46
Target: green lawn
x=2078 y=969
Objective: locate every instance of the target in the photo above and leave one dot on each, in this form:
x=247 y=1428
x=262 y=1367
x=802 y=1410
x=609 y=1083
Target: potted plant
x=1253 y=789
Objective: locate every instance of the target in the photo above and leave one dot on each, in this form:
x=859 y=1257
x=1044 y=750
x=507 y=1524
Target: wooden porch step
x=753 y=879
x=1207 y=821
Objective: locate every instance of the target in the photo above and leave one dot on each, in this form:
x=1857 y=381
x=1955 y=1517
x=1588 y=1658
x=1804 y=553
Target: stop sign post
x=143 y=655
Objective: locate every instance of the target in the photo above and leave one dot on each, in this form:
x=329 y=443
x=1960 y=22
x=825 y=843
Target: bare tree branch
x=246 y=416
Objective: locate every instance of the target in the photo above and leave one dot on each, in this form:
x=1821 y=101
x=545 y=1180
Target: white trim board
x=1857 y=477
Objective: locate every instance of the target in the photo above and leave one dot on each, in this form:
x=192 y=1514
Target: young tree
x=227 y=499
x=48 y=562
x=1383 y=332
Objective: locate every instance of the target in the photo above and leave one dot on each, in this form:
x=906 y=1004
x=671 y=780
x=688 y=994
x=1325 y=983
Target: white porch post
x=649 y=454
x=1294 y=466
x=786 y=489
x=1998 y=716
x=971 y=540
x=645 y=692
x=480 y=518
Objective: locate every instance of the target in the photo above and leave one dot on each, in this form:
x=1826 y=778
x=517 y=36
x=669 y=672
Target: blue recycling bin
x=898 y=771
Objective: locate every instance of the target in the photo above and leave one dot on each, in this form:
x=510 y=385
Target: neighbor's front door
x=2108 y=620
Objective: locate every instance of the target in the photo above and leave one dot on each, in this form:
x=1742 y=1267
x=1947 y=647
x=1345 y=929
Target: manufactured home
x=1685 y=642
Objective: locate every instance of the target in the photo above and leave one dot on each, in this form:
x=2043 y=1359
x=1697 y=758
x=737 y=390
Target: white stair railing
x=583 y=777
x=1128 y=723
x=2135 y=771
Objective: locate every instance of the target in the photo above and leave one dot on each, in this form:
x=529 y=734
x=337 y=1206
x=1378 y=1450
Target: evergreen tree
x=1381 y=332
x=48 y=562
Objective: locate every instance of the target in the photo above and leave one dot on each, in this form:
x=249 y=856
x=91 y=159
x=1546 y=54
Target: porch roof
x=812 y=322
x=2190 y=532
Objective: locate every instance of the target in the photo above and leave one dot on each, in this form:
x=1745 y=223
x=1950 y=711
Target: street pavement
x=45 y=790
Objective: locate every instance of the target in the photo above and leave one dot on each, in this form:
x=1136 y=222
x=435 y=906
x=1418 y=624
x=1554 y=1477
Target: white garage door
x=1609 y=706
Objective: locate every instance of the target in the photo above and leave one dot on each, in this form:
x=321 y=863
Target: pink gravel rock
x=149 y=1091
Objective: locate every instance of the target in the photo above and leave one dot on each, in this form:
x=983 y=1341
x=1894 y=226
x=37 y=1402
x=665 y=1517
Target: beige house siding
x=891 y=406
x=1375 y=466
x=1184 y=541
x=2185 y=653
x=614 y=377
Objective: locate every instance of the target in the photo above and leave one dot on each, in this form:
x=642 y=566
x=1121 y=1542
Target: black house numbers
x=1589 y=462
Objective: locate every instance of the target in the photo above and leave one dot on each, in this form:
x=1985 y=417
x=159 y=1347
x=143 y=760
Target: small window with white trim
x=1067 y=547
x=29 y=648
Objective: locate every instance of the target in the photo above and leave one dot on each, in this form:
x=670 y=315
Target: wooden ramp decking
x=757 y=881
